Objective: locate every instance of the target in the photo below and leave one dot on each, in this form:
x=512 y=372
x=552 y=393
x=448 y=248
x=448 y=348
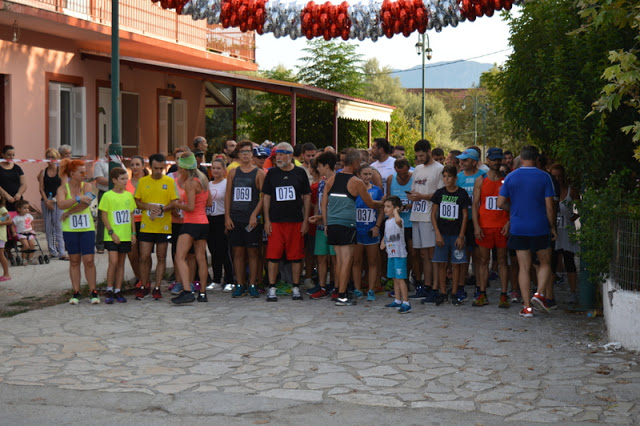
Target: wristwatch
x=110 y=232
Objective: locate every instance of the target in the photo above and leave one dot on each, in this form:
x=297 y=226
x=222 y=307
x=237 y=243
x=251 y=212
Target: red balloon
x=397 y=27
x=345 y=34
x=388 y=32
x=489 y=12
x=326 y=35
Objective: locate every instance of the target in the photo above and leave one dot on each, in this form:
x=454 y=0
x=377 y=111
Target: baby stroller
x=14 y=250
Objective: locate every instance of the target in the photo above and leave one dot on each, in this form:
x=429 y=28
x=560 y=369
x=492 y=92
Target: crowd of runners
x=307 y=223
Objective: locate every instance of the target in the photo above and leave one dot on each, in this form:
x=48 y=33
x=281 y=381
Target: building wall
x=26 y=64
x=621 y=311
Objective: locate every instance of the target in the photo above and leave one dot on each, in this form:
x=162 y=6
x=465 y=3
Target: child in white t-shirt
x=5 y=220
x=396 y=253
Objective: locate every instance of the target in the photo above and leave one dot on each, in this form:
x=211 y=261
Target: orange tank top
x=199 y=214
x=489 y=215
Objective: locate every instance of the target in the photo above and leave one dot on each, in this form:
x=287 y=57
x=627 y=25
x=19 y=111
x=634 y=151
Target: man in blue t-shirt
x=528 y=194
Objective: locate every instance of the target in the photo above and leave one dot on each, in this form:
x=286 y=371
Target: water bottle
x=50 y=196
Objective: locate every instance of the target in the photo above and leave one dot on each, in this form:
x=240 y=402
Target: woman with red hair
x=78 y=229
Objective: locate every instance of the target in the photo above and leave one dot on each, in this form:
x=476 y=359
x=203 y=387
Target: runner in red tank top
x=491 y=226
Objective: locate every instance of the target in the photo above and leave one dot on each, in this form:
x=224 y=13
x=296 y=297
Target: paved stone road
x=246 y=361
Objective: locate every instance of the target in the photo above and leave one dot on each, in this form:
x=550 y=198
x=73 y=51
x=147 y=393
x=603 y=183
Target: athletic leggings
x=219 y=249
x=567 y=257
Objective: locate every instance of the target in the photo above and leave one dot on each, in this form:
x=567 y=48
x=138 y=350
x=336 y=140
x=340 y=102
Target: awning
x=363 y=112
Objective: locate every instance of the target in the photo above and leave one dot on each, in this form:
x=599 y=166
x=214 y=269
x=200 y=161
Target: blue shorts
x=321 y=246
x=441 y=254
x=80 y=242
x=397 y=267
x=365 y=239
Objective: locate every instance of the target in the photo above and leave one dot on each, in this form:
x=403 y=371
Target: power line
x=443 y=64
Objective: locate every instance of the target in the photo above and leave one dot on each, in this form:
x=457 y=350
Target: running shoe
x=461 y=295
x=345 y=302
x=157 y=295
x=559 y=279
x=142 y=292
x=551 y=304
x=94 y=298
x=214 y=286
x=480 y=300
x=526 y=312
x=272 y=295
x=421 y=292
x=430 y=298
x=391 y=294
x=440 y=299
x=184 y=297
x=357 y=294
x=393 y=304
x=228 y=288
x=371 y=296
x=334 y=294
x=202 y=297
x=75 y=299
x=455 y=301
x=314 y=289
x=120 y=298
x=239 y=291
x=320 y=294
x=515 y=297
x=176 y=289
x=404 y=309
x=108 y=299
x=295 y=294
x=540 y=303
x=387 y=283
x=253 y=291
x=504 y=301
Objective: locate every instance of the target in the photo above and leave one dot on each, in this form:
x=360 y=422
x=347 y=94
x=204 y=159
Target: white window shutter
x=163 y=124
x=179 y=122
x=54 y=115
x=78 y=121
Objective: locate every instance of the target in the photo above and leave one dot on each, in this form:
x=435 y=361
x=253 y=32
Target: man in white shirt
x=427 y=178
x=381 y=152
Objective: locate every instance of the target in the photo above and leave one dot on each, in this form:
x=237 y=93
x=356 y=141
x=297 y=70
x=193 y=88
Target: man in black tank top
x=243 y=206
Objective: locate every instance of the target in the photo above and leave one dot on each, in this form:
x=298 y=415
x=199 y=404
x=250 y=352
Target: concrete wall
x=621 y=312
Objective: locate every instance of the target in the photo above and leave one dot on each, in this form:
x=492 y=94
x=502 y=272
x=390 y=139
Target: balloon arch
x=372 y=19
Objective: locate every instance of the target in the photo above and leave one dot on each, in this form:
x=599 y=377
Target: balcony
x=149 y=19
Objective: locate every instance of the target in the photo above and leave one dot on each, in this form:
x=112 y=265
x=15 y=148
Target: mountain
x=443 y=75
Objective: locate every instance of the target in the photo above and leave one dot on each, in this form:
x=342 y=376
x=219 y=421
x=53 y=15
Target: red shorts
x=285 y=237
x=492 y=238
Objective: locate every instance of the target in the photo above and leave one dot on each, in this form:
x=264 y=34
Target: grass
x=19 y=303
x=10 y=314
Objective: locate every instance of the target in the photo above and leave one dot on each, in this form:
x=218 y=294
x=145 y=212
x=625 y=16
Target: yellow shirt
x=156 y=191
x=233 y=165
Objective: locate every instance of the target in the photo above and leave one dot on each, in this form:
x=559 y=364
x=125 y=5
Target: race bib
x=365 y=215
x=79 y=221
x=155 y=204
x=242 y=193
x=560 y=223
x=420 y=206
x=491 y=203
x=285 y=193
x=405 y=201
x=449 y=211
x=212 y=209
x=121 y=217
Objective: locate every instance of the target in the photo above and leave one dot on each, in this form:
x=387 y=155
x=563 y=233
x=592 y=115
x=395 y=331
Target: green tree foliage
x=623 y=74
x=549 y=84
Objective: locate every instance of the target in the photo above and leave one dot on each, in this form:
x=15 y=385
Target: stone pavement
x=245 y=361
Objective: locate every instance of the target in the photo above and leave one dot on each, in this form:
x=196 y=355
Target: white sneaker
x=214 y=286
x=228 y=288
x=271 y=295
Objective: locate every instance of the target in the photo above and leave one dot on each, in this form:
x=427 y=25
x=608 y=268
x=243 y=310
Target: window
x=172 y=123
x=67 y=117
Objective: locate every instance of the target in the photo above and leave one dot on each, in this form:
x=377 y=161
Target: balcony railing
x=147 y=18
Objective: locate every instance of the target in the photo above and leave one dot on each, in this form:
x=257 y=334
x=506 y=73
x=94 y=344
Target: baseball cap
x=469 y=153
x=494 y=153
x=260 y=151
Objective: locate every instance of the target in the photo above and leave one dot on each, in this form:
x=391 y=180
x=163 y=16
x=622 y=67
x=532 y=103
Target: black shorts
x=239 y=237
x=537 y=243
x=151 y=237
x=198 y=231
x=470 y=236
x=339 y=235
x=408 y=235
x=123 y=247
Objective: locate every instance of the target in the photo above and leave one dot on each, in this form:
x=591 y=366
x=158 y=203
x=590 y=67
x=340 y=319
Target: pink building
x=55 y=76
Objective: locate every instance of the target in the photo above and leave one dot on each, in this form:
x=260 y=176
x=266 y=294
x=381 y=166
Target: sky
x=468 y=40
